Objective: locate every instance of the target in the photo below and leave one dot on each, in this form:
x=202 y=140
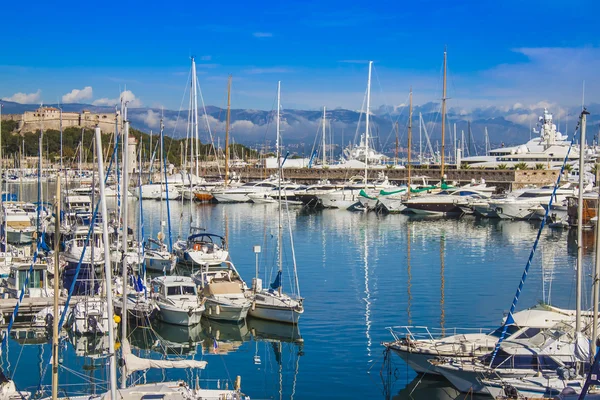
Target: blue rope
x=510 y=319
x=66 y=308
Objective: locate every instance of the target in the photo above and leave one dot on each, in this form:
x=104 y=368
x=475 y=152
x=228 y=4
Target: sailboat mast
x=195 y=115
x=279 y=228
x=227 y=131
x=443 y=117
x=61 y=142
x=409 y=138
x=124 y=216
x=56 y=293
x=107 y=272
x=367 y=123
x=596 y=276
x=162 y=175
x=420 y=140
x=396 y=153
x=583 y=117
x=324 y=153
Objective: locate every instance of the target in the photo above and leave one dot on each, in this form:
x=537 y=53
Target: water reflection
x=425 y=387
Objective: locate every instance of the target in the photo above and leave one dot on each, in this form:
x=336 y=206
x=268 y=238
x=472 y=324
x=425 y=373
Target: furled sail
x=134 y=363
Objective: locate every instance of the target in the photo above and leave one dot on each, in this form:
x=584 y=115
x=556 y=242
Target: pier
x=502 y=179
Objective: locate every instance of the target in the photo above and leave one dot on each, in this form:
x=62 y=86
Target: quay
x=508 y=179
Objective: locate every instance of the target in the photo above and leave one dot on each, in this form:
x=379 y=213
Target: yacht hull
x=175 y=316
x=392 y=205
x=224 y=197
x=159 y=262
x=286 y=315
x=225 y=312
x=434 y=208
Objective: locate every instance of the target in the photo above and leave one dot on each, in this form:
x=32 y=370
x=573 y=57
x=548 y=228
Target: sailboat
x=272 y=304
x=200 y=247
x=349 y=195
x=158 y=256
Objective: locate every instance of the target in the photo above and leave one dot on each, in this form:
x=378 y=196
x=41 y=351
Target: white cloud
x=76 y=95
x=126 y=95
x=25 y=98
x=262 y=34
x=242 y=125
x=523 y=119
x=152 y=119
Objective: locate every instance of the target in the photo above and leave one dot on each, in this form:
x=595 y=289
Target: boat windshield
x=180 y=290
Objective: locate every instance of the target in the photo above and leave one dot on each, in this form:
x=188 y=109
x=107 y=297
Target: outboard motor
x=49 y=321
x=511 y=392
x=93 y=324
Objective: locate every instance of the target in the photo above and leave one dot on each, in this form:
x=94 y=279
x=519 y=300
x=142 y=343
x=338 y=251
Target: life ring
x=197 y=246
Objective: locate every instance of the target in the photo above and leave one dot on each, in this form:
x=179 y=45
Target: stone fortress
x=50 y=118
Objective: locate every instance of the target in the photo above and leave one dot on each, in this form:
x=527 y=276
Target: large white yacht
x=549 y=148
x=525 y=205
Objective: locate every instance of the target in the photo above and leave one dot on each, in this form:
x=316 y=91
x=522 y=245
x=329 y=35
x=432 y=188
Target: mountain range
x=301 y=128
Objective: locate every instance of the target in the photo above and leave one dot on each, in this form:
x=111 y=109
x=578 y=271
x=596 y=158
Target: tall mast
x=367 y=123
x=277 y=144
x=409 y=137
x=107 y=271
x=583 y=117
x=1 y=173
x=420 y=140
x=61 y=141
x=162 y=176
x=124 y=207
x=324 y=153
x=396 y=152
x=227 y=131
x=56 y=292
x=443 y=117
x=596 y=276
x=195 y=113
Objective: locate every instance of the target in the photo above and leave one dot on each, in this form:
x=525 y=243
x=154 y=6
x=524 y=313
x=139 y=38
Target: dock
x=503 y=179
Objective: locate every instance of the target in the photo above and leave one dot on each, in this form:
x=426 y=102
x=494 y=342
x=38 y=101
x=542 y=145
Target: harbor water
x=359 y=273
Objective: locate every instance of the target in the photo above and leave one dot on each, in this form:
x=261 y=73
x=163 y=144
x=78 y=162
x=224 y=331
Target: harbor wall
x=503 y=179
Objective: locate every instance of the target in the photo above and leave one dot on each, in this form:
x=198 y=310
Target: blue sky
x=499 y=53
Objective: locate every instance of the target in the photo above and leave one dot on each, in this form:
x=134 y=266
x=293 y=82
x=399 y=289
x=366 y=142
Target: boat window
x=510 y=330
x=532 y=194
x=529 y=333
x=173 y=291
x=546 y=362
x=188 y=290
x=35 y=279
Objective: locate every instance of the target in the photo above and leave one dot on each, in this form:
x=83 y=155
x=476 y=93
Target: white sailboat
x=272 y=304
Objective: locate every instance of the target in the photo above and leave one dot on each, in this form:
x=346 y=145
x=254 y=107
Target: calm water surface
x=359 y=273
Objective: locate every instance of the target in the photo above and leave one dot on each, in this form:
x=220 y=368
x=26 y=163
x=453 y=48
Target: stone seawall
x=503 y=179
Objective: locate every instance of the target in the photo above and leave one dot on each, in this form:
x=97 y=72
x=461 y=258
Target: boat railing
x=414 y=332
